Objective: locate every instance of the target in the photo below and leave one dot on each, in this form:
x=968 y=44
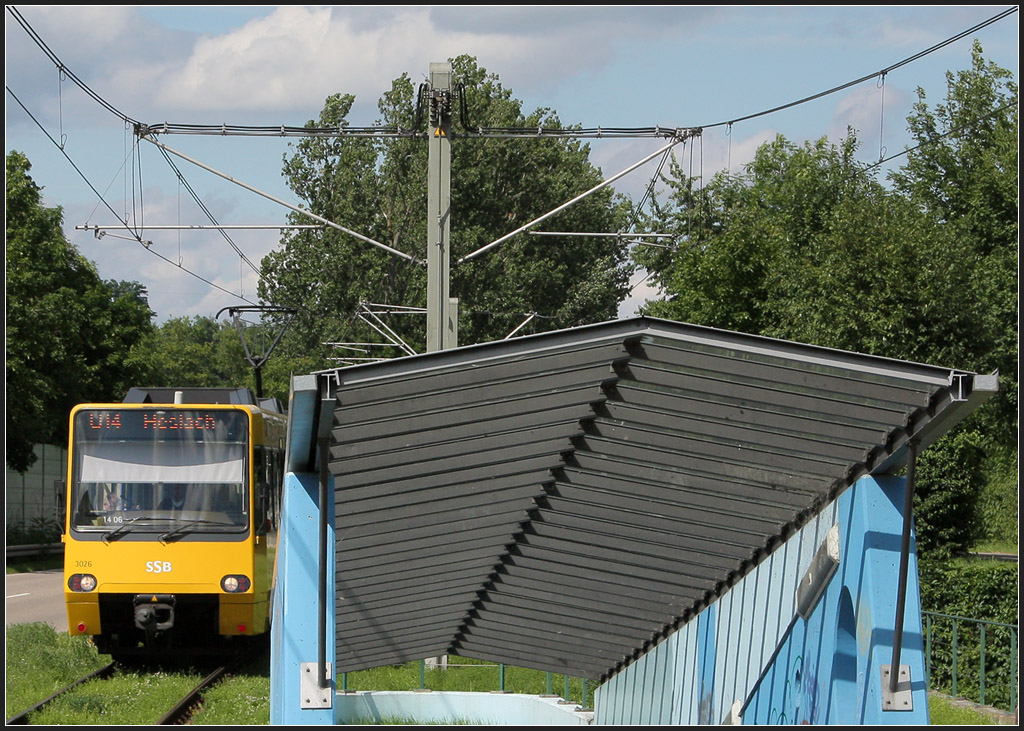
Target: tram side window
x=259 y=471
x=228 y=499
x=269 y=472
x=275 y=478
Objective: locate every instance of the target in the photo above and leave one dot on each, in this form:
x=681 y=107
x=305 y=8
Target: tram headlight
x=235 y=583
x=82 y=582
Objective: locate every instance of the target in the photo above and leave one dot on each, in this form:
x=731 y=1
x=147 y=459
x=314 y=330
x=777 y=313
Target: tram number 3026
x=158 y=567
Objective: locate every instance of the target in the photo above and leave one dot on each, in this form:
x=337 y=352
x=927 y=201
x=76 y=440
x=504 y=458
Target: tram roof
x=197 y=395
x=561 y=501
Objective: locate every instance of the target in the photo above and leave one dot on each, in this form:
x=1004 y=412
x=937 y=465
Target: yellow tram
x=172 y=506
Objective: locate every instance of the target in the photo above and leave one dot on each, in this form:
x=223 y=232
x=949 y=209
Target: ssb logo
x=158 y=567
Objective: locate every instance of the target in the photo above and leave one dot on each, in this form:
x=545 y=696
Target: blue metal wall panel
x=751 y=647
x=294 y=641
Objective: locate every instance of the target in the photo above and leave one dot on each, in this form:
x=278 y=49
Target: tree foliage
x=200 y=352
x=947 y=486
x=807 y=245
x=197 y=352
x=70 y=336
x=377 y=187
x=964 y=174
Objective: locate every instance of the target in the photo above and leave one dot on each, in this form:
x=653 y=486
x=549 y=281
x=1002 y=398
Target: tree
x=807 y=245
x=200 y=352
x=377 y=187
x=964 y=173
x=70 y=337
x=197 y=352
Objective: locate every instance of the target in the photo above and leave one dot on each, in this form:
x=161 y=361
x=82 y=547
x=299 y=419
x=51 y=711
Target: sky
x=604 y=65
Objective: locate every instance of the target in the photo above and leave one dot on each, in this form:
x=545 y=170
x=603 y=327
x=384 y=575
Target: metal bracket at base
x=900 y=699
x=313 y=696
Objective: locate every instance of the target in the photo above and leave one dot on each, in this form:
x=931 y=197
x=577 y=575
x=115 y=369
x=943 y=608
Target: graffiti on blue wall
x=799 y=701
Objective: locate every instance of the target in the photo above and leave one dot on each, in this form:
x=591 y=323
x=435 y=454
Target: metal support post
x=439 y=206
x=896 y=695
x=323 y=679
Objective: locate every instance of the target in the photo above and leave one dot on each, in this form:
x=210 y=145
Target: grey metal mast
x=442 y=311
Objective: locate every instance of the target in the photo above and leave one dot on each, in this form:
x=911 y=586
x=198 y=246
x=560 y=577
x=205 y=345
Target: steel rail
x=176 y=715
x=21 y=719
x=184 y=707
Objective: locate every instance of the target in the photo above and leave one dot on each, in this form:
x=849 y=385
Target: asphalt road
x=36 y=597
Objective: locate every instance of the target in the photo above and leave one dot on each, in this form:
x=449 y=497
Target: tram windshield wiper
x=189 y=526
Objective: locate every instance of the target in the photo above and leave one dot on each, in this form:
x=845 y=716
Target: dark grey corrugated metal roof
x=560 y=501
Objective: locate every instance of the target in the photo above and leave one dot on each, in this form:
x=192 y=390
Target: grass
x=942 y=711
x=34 y=563
x=477 y=676
x=995 y=546
x=131 y=698
x=41 y=661
x=243 y=699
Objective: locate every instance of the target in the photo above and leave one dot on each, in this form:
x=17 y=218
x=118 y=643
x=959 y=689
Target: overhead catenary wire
x=549 y=214
x=948 y=133
x=297 y=209
x=341 y=130
x=867 y=77
x=515 y=132
x=64 y=69
x=381 y=327
x=209 y=214
x=135 y=236
x=379 y=131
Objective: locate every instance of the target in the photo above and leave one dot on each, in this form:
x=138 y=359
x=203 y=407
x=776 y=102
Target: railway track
x=178 y=714
x=21 y=719
x=183 y=708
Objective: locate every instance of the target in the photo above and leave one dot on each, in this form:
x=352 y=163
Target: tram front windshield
x=154 y=469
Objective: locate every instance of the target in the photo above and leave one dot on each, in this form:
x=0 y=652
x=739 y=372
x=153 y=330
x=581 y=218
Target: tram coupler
x=154 y=612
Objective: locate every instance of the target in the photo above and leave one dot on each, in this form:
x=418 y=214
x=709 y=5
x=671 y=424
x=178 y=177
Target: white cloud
x=293 y=57
x=296 y=56
x=889 y=33
x=867 y=109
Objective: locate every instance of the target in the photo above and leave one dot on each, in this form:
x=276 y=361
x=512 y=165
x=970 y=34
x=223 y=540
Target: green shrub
x=976 y=590
x=998 y=504
x=39 y=530
x=948 y=482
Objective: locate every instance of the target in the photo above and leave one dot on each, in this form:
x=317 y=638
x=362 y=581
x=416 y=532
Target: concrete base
x=495 y=709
